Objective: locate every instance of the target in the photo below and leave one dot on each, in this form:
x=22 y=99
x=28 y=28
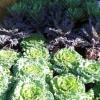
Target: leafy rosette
x=96 y=90
x=29 y=89
x=25 y=67
x=8 y=57
x=68 y=87
x=89 y=71
x=35 y=53
x=34 y=48
x=36 y=40
x=65 y=60
x=4 y=81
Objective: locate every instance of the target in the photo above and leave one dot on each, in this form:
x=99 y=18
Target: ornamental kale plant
x=29 y=88
x=36 y=39
x=34 y=48
x=36 y=53
x=89 y=71
x=66 y=60
x=25 y=67
x=8 y=57
x=68 y=87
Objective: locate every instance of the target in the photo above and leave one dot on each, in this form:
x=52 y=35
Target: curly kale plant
x=25 y=67
x=65 y=60
x=30 y=89
x=33 y=41
x=34 y=47
x=8 y=57
x=68 y=87
x=4 y=80
x=89 y=71
x=36 y=53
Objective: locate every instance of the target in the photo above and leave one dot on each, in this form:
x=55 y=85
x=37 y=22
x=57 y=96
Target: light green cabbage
x=35 y=53
x=36 y=40
x=25 y=67
x=65 y=60
x=89 y=71
x=30 y=89
x=34 y=47
x=68 y=87
x=8 y=57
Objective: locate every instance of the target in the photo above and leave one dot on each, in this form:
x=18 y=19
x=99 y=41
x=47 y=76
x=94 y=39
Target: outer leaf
x=34 y=48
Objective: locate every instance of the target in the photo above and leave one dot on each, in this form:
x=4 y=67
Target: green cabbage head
x=36 y=40
x=8 y=57
x=35 y=53
x=68 y=87
x=65 y=60
x=89 y=71
x=26 y=67
x=30 y=89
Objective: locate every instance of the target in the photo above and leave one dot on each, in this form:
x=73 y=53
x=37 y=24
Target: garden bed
x=50 y=50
